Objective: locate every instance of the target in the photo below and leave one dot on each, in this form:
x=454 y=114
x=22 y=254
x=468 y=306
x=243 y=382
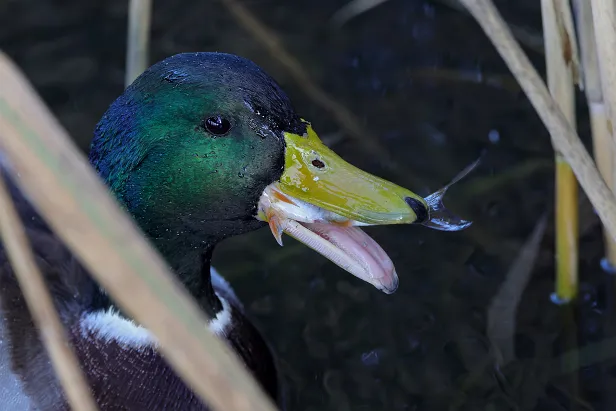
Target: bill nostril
x=419 y=208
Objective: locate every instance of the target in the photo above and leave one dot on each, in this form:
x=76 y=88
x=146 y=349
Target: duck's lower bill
x=351 y=249
x=336 y=238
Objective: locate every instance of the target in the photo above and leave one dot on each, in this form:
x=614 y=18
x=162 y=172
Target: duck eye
x=217 y=125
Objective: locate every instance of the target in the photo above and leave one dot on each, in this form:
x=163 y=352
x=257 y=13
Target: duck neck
x=190 y=261
x=189 y=258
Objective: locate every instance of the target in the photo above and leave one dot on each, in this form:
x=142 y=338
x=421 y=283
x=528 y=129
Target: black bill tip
x=419 y=208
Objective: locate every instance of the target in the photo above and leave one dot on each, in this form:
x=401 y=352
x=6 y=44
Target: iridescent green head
x=193 y=142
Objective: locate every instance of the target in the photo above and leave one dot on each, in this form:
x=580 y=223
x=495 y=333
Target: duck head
x=203 y=146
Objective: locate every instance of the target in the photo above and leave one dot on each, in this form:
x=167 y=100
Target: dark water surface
x=431 y=91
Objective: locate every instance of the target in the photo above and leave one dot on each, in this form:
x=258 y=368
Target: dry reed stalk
x=565 y=137
x=603 y=16
x=603 y=147
x=77 y=205
x=527 y=37
x=138 y=39
x=503 y=308
x=41 y=305
x=562 y=72
x=353 y=9
x=605 y=40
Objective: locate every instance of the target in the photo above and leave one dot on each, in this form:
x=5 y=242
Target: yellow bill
x=315 y=174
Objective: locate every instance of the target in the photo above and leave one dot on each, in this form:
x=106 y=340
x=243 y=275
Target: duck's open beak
x=321 y=199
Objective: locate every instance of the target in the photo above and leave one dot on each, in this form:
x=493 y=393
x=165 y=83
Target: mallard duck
x=201 y=147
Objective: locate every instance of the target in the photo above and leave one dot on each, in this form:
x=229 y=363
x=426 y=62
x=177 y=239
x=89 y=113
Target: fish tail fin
x=440 y=217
